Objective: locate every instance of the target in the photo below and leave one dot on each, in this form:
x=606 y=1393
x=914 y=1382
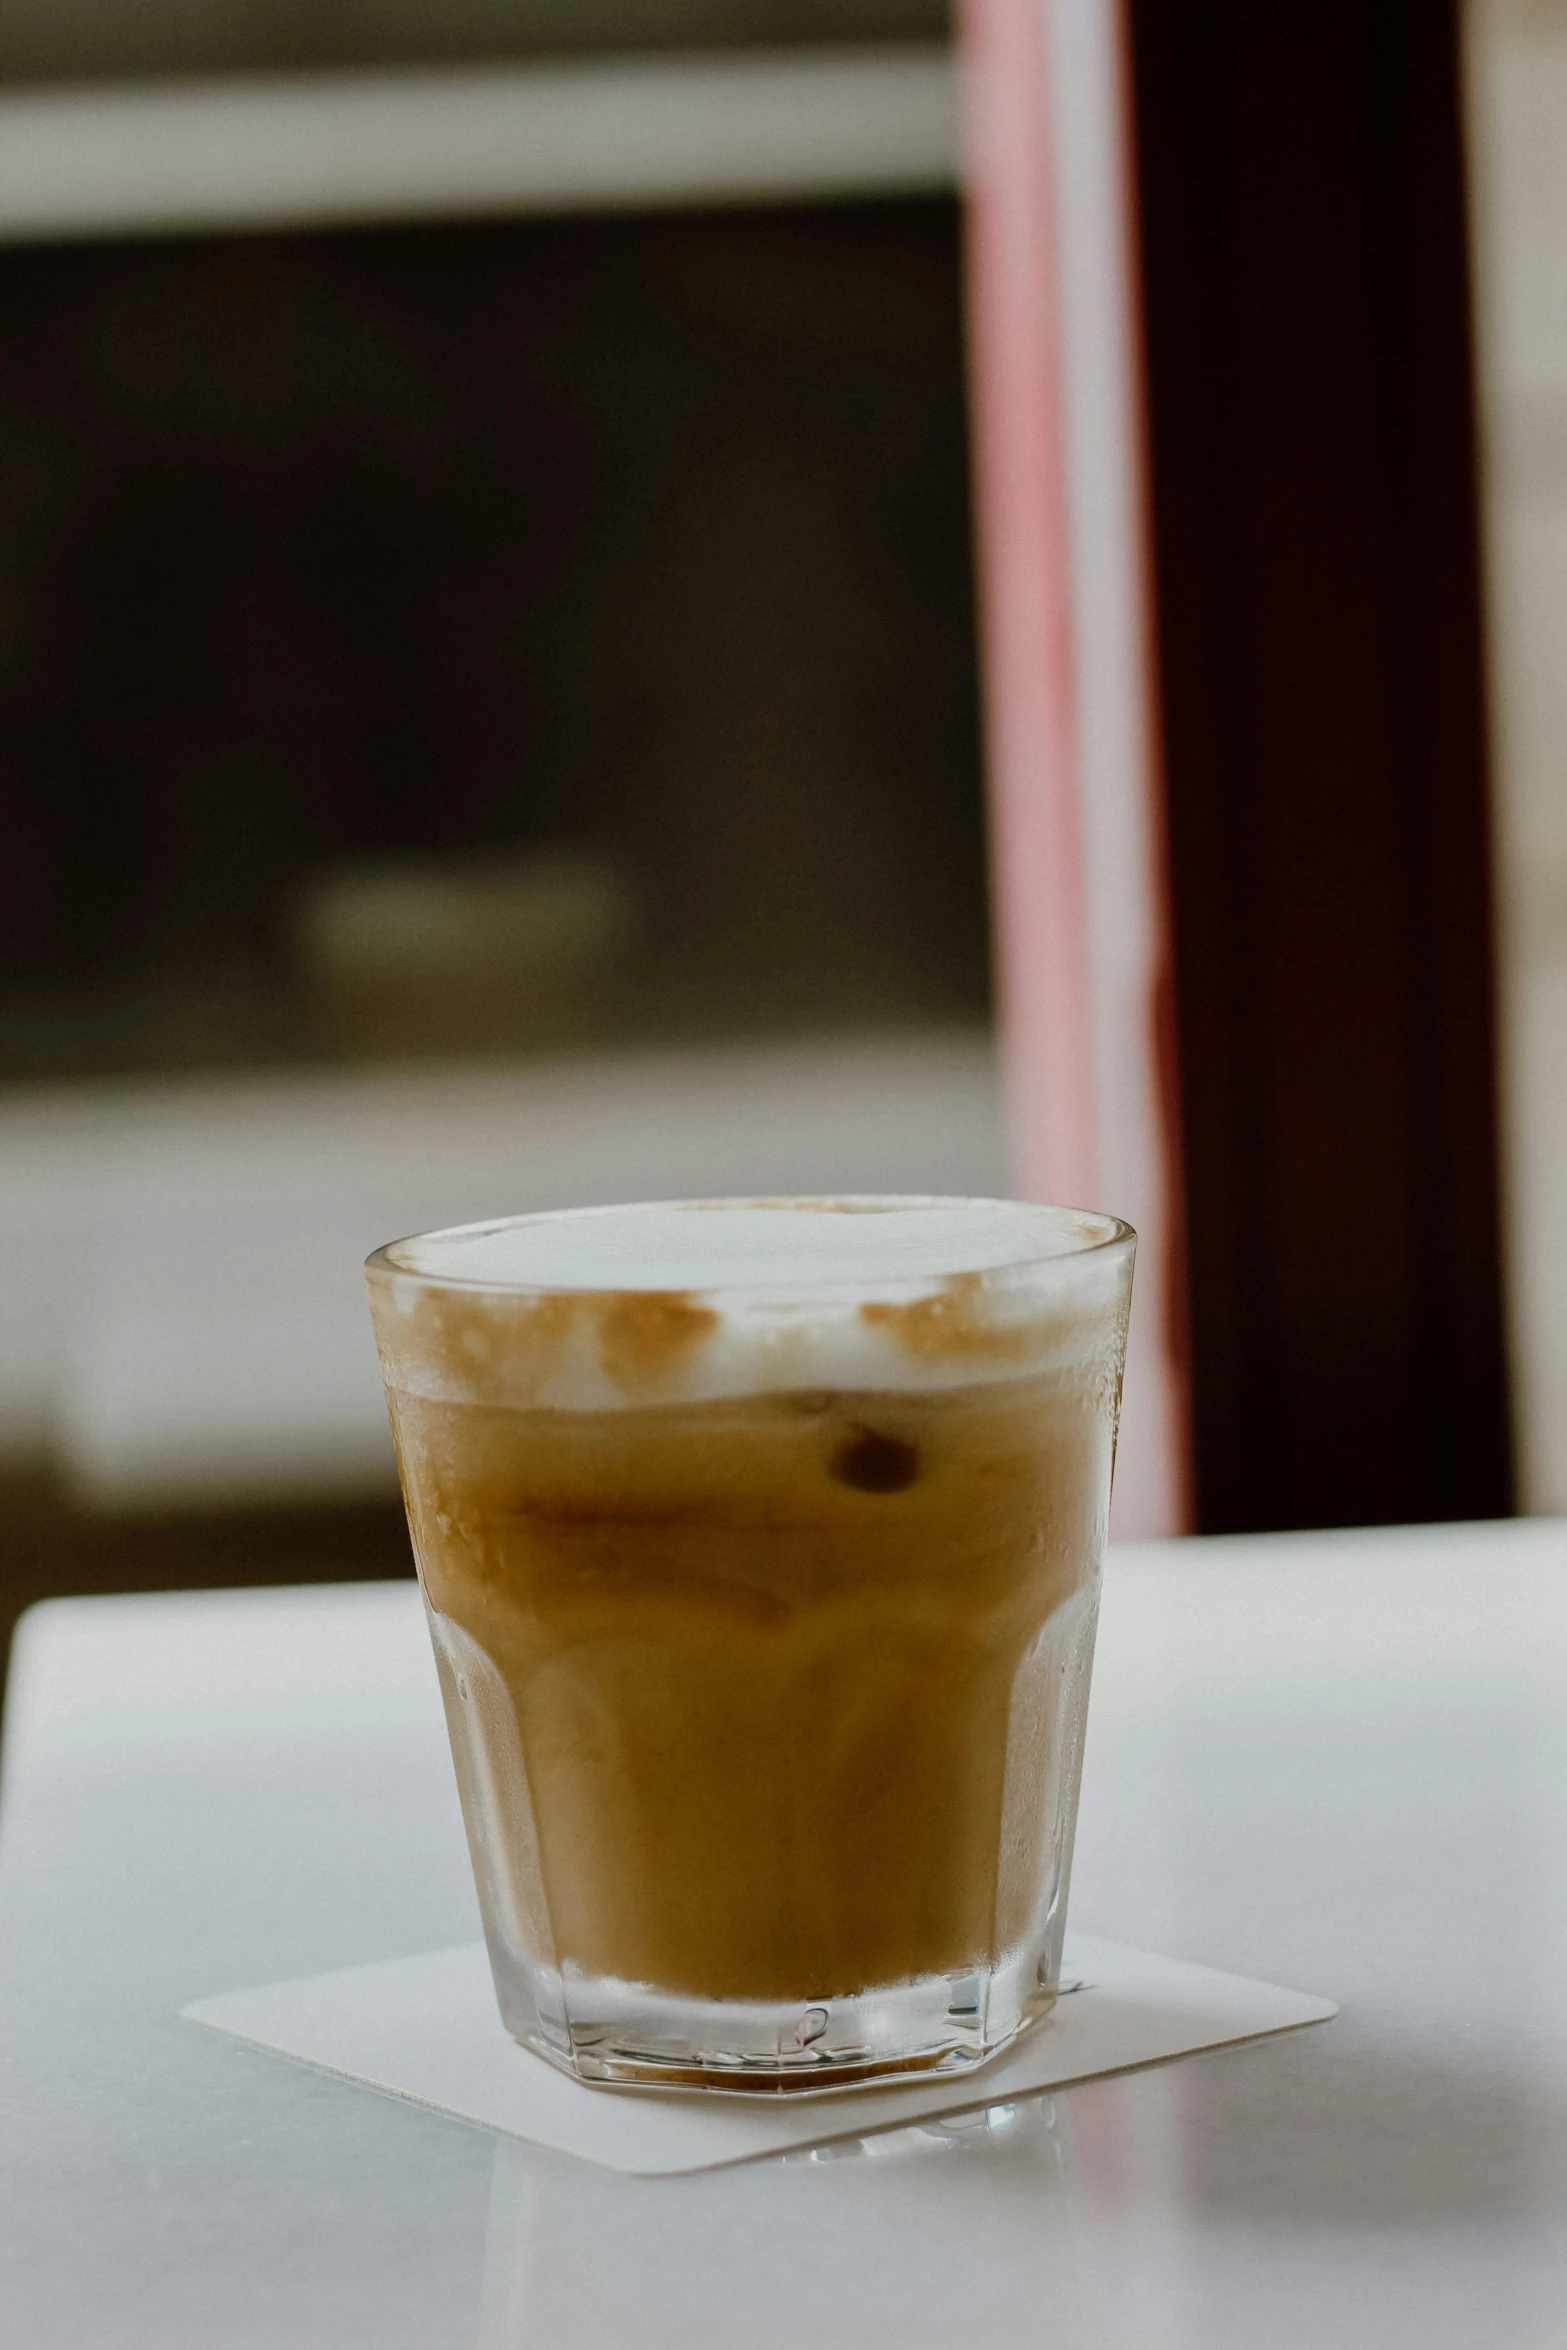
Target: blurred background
x=506 y=685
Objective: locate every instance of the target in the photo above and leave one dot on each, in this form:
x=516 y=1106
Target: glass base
x=628 y=2036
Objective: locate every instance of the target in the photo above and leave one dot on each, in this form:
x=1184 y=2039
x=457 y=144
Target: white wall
x=1517 y=107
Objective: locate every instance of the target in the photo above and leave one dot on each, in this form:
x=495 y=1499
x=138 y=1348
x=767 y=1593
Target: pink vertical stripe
x=1025 y=600
x=1080 y=889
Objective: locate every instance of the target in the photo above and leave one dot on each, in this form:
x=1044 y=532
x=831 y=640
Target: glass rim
x=1115 y=1236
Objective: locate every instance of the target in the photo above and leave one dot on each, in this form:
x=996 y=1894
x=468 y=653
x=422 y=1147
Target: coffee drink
x=761 y=1547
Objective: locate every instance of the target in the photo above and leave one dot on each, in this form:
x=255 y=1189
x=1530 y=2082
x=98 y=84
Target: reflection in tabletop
x=963 y=2229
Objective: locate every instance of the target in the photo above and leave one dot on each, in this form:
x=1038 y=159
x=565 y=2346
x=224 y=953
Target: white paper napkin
x=427 y=2029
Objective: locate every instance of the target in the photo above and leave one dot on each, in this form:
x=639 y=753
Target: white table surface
x=1339 y=1762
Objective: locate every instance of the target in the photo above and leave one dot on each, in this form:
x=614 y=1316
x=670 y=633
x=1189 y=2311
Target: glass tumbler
x=761 y=1541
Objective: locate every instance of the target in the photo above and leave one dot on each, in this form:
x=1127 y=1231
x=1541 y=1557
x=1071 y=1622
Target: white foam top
x=705 y=1245
x=764 y=1296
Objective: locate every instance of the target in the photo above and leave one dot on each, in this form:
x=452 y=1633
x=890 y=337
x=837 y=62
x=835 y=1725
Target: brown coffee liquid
x=786 y=1674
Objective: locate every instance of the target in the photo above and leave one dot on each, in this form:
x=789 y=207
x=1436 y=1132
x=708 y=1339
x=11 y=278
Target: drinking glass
x=761 y=1544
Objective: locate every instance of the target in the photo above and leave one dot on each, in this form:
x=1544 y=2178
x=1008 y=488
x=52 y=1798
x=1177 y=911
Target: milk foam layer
x=704 y=1245
x=603 y=1309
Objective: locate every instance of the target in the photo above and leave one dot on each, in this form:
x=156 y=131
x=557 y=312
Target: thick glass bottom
x=626 y=2035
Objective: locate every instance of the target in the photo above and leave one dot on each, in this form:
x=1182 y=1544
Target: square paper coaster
x=427 y=2029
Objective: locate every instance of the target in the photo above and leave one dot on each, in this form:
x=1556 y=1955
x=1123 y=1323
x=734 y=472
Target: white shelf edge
x=246 y=153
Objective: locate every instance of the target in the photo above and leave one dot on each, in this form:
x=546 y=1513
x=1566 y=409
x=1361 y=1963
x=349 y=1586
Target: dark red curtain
x=1310 y=376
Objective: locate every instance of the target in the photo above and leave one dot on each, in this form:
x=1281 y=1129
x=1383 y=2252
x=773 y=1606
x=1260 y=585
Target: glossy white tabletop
x=1339 y=1762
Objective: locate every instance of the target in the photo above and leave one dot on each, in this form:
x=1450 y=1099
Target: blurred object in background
x=1517 y=92
x=471 y=955
x=553 y=135
x=1317 y=683
x=1080 y=886
x=78 y=40
x=1310 y=374
x=411 y=545
x=537 y=643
